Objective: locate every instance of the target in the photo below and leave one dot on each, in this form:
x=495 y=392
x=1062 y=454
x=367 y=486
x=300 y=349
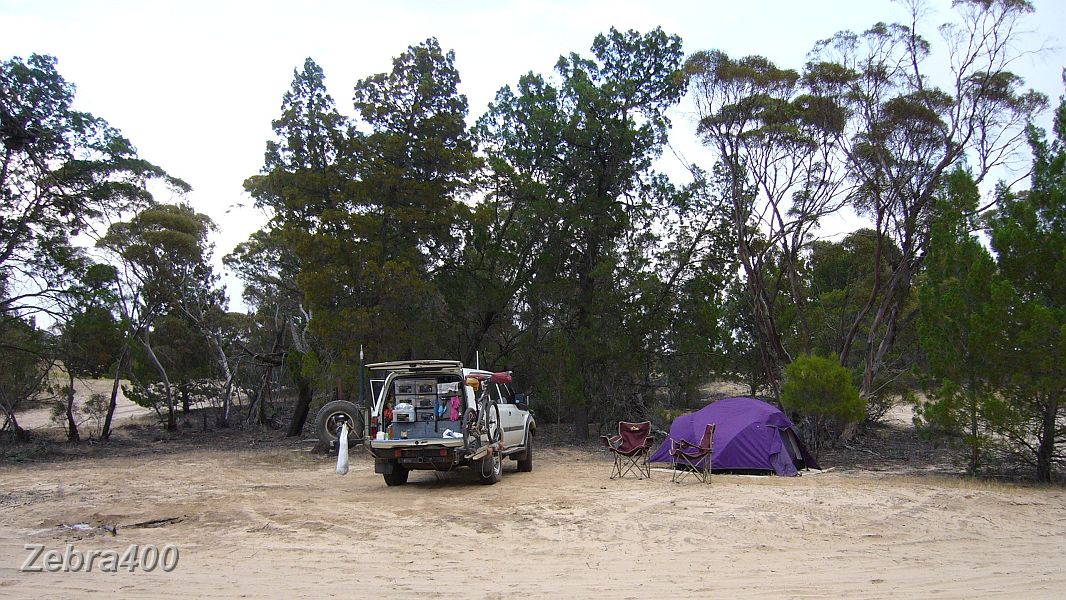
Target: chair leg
x=640 y=463
x=624 y=465
x=693 y=468
x=682 y=472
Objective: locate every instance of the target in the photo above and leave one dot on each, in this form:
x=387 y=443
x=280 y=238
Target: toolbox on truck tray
x=403 y=412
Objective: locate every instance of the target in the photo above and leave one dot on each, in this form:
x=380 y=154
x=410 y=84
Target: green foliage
x=1029 y=236
x=819 y=386
x=572 y=201
x=994 y=331
x=23 y=354
x=62 y=171
x=902 y=138
x=163 y=245
x=842 y=278
x=822 y=391
x=94 y=412
x=165 y=253
x=957 y=324
x=150 y=395
x=368 y=213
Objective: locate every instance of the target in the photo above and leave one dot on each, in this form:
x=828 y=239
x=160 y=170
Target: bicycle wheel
x=493 y=425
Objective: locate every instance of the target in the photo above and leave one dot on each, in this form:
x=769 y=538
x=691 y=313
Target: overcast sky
x=195 y=84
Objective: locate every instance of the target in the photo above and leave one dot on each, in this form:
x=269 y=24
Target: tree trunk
x=72 y=424
x=172 y=424
x=227 y=403
x=17 y=431
x=1046 y=450
x=875 y=289
x=581 y=421
x=227 y=391
x=105 y=434
x=256 y=410
x=887 y=316
x=975 y=447
x=303 y=406
x=184 y=388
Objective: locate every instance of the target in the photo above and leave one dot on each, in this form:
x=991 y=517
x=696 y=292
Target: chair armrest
x=685 y=444
x=611 y=441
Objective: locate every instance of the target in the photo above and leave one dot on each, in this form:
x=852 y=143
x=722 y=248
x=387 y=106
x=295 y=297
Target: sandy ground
x=125 y=410
x=279 y=523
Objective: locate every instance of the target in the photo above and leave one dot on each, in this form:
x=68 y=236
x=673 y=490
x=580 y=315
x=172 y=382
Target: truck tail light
x=373 y=427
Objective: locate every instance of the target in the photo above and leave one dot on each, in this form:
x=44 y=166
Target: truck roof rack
x=415 y=365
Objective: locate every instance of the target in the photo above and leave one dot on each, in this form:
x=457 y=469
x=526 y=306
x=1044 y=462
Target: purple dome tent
x=749 y=435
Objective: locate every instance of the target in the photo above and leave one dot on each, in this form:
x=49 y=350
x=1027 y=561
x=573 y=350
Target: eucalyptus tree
x=62 y=172
x=779 y=174
x=90 y=337
x=27 y=360
x=160 y=251
x=907 y=128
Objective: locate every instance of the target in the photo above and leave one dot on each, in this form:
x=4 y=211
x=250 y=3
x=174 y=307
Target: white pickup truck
x=435 y=414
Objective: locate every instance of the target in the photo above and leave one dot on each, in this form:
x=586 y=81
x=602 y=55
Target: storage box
x=422 y=430
x=426 y=415
x=405 y=386
x=426 y=387
x=403 y=412
x=424 y=401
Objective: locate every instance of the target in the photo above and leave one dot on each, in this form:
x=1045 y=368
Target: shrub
x=822 y=392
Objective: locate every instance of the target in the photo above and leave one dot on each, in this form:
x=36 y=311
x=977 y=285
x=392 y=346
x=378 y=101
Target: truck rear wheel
x=490 y=469
x=398 y=476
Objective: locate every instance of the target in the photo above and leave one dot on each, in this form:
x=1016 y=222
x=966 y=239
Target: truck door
x=371 y=409
x=510 y=417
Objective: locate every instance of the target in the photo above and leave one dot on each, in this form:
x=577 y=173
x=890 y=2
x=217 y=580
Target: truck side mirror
x=522 y=401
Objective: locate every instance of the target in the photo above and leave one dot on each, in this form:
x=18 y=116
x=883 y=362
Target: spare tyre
x=333 y=416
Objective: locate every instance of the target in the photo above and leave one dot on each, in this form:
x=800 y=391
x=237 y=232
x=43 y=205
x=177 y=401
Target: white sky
x=195 y=84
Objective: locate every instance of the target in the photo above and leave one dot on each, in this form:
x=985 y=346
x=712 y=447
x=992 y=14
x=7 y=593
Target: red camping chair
x=630 y=449
x=690 y=459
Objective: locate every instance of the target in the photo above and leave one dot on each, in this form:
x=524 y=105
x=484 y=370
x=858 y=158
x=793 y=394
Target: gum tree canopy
x=60 y=171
